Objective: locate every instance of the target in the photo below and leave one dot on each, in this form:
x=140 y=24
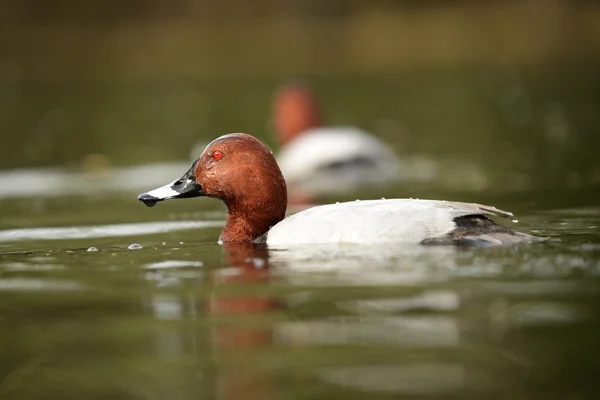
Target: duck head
x=241 y=172
x=295 y=110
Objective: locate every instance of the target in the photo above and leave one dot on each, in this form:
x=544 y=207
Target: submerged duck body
x=241 y=172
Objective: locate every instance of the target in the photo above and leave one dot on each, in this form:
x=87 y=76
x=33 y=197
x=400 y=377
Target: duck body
x=329 y=160
x=408 y=221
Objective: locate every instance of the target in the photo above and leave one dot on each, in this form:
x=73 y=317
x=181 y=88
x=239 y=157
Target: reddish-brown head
x=295 y=110
x=240 y=171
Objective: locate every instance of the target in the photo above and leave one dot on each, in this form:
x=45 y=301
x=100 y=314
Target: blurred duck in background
x=318 y=160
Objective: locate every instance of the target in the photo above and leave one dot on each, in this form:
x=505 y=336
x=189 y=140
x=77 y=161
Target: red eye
x=217 y=154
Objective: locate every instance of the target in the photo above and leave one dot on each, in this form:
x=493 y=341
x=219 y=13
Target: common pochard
x=316 y=159
x=241 y=172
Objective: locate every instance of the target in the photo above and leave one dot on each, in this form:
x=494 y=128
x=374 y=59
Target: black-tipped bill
x=184 y=187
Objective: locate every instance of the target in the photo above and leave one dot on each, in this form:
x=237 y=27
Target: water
x=102 y=297
x=181 y=317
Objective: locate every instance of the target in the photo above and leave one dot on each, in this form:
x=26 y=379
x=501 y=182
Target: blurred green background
x=510 y=86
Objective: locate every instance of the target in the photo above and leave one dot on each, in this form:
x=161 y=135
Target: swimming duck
x=317 y=159
x=241 y=172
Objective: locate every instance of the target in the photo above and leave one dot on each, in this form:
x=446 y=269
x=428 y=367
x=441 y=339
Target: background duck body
x=406 y=221
x=330 y=160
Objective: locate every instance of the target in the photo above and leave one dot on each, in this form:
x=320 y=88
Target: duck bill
x=184 y=187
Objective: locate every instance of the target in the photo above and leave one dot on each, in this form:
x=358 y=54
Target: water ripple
x=101 y=231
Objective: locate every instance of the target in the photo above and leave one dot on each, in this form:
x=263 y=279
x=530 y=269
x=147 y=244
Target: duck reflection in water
x=381 y=316
x=233 y=311
x=249 y=266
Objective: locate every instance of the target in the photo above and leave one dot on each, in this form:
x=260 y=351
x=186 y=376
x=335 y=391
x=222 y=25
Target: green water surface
x=180 y=317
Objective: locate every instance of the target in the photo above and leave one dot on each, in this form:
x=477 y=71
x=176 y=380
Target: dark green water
x=183 y=318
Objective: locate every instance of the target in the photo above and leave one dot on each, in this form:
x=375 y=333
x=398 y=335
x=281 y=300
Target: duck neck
x=296 y=115
x=248 y=221
x=292 y=129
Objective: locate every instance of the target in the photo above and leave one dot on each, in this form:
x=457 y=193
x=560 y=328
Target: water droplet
x=92 y=249
x=164 y=243
x=383 y=198
x=357 y=200
x=337 y=202
x=180 y=242
x=135 y=246
x=515 y=220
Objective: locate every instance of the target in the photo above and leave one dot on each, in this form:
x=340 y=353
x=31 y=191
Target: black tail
x=478 y=230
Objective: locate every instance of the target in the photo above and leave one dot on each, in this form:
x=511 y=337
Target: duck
x=242 y=172
x=318 y=160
